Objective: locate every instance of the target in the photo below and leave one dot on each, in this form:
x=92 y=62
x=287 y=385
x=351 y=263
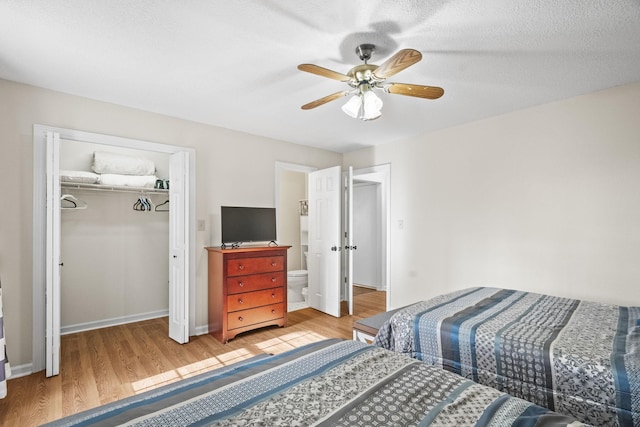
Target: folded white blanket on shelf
x=112 y=163
x=79 y=177
x=128 y=180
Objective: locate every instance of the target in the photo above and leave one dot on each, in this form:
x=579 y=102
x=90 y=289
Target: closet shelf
x=101 y=187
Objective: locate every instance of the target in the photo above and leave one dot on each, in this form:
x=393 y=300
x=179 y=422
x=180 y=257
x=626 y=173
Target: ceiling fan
x=366 y=78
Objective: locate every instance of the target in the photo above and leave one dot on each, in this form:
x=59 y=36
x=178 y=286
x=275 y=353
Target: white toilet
x=296 y=282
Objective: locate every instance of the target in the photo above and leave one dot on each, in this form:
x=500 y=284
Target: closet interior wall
x=115 y=259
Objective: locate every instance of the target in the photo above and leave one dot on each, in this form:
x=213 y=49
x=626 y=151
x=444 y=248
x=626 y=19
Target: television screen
x=247 y=224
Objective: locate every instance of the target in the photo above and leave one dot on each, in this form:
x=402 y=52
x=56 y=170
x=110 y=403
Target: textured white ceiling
x=233 y=63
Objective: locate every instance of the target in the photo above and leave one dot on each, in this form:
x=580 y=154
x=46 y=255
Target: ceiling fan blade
x=324 y=72
x=398 y=62
x=328 y=98
x=419 y=91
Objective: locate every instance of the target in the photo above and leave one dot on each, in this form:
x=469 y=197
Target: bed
x=575 y=357
x=326 y=383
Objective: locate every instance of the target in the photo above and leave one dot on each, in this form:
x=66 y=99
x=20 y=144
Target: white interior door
x=52 y=253
x=325 y=242
x=178 y=247
x=349 y=245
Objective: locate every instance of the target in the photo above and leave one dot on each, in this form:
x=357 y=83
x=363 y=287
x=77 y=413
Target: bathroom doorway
x=292 y=226
x=372 y=229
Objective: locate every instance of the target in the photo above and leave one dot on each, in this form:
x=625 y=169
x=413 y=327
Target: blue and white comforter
x=338 y=383
x=575 y=357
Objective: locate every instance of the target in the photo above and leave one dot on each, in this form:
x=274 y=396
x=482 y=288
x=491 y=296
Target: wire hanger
x=166 y=207
x=69 y=201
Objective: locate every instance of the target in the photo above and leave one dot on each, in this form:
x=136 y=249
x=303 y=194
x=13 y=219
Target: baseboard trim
x=202 y=330
x=88 y=326
x=21 y=371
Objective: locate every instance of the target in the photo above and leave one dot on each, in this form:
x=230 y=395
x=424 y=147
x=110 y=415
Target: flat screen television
x=247 y=224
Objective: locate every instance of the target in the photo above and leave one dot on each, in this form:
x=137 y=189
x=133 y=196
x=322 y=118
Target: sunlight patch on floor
x=191 y=370
x=154 y=381
x=275 y=345
x=289 y=341
x=199 y=367
x=235 y=356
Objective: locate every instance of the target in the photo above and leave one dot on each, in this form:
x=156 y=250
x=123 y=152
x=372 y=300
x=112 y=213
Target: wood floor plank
x=104 y=365
x=122 y=356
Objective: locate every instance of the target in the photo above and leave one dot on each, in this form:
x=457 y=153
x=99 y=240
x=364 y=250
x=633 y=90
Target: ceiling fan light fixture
x=364 y=105
x=353 y=106
x=371 y=106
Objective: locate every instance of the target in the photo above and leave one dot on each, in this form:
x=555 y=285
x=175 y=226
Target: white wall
x=115 y=260
x=293 y=188
x=232 y=168
x=367 y=226
x=545 y=199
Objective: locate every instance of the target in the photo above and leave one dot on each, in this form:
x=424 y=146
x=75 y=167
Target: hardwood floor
x=104 y=365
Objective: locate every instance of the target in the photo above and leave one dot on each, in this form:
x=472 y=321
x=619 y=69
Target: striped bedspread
x=333 y=382
x=575 y=357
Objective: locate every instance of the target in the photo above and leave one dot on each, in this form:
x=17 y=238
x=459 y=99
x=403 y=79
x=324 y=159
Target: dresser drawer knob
x=241 y=267
x=273 y=264
x=240 y=301
x=273 y=279
x=241 y=284
x=240 y=318
x=273 y=295
x=273 y=312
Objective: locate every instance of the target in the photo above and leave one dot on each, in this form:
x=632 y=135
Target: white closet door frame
x=40 y=323
x=381 y=174
x=348 y=228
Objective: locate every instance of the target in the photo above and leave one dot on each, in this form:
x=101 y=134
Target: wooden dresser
x=247 y=289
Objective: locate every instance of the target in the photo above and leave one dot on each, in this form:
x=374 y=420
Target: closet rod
x=99 y=187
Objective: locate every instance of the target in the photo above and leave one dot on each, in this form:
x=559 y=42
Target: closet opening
x=130 y=221
x=113 y=245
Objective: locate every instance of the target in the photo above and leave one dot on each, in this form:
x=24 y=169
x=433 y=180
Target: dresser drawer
x=239 y=319
x=254 y=299
x=242 y=266
x=255 y=282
